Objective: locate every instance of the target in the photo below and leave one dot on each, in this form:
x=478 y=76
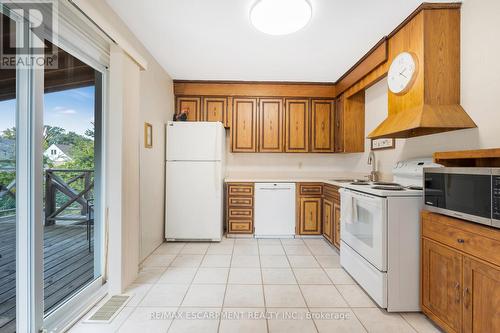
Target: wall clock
x=402 y=73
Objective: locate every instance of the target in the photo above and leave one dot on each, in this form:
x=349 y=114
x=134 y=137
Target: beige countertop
x=333 y=179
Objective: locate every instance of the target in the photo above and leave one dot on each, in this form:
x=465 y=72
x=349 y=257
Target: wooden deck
x=68 y=266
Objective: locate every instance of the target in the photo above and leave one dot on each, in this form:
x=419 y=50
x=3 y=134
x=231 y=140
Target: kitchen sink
x=344 y=180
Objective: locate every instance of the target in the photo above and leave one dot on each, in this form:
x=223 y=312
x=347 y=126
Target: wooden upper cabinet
x=481 y=297
x=353 y=123
x=441 y=283
x=297 y=125
x=322 y=123
x=270 y=125
x=244 y=125
x=192 y=104
x=339 y=126
x=214 y=109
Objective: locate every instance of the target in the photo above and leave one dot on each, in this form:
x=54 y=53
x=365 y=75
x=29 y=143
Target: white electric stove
x=380 y=235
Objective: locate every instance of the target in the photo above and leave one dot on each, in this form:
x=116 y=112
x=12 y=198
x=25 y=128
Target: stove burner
x=389 y=188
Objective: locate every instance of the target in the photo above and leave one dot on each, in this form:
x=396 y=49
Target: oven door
x=364 y=226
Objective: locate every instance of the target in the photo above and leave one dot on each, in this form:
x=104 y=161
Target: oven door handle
x=354 y=208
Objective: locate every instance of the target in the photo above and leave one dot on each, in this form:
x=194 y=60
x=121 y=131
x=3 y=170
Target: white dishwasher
x=274 y=210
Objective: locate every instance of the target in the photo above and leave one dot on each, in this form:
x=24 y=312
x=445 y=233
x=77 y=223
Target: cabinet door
x=441 y=283
x=322 y=126
x=328 y=219
x=297 y=126
x=336 y=224
x=190 y=104
x=339 y=126
x=270 y=125
x=244 y=128
x=481 y=296
x=310 y=216
x=214 y=109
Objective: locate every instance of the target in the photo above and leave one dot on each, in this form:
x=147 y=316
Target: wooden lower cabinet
x=309 y=212
x=318 y=210
x=481 y=296
x=336 y=224
x=460 y=289
x=328 y=219
x=309 y=216
x=441 y=283
x=240 y=226
x=239 y=208
x=331 y=214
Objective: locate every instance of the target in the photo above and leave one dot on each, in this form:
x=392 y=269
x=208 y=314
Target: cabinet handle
x=461 y=241
x=457 y=292
x=244 y=124
x=466 y=297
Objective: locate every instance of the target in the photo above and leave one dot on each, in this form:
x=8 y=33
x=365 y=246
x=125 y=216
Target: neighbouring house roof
x=66 y=149
x=62 y=155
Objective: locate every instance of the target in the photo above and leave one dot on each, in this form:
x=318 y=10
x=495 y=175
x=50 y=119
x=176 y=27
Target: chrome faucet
x=373 y=162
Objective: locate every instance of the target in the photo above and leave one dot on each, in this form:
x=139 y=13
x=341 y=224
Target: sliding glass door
x=51 y=170
x=8 y=193
x=72 y=109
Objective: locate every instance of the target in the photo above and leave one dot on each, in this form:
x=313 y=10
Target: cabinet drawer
x=481 y=246
x=310 y=189
x=243 y=227
x=331 y=191
x=240 y=201
x=240 y=212
x=239 y=189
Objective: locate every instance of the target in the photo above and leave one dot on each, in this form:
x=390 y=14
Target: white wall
x=157 y=107
x=480 y=94
x=147 y=96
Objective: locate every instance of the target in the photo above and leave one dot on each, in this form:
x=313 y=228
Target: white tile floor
x=248 y=285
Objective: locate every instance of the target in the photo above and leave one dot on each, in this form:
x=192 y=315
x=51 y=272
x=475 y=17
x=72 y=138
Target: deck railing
x=76 y=188
x=8 y=194
x=65 y=190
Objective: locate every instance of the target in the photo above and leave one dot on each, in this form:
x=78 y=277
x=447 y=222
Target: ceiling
x=214 y=40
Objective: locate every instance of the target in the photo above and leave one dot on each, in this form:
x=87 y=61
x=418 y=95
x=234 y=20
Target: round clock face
x=402 y=72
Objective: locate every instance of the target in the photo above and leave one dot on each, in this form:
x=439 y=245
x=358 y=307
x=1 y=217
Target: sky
x=71 y=109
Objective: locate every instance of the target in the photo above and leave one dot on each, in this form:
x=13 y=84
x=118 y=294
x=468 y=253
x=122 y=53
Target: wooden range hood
x=432 y=104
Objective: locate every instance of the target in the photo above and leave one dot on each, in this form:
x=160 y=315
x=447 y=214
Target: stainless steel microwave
x=471 y=194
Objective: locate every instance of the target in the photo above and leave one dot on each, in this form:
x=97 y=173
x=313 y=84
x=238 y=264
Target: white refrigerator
x=194 y=181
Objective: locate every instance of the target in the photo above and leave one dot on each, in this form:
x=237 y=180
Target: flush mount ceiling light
x=280 y=17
